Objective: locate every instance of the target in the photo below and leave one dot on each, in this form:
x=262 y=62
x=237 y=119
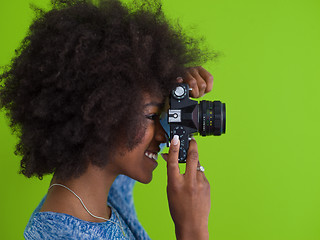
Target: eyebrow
x=157 y=104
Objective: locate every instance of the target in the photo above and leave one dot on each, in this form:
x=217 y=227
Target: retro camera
x=186 y=117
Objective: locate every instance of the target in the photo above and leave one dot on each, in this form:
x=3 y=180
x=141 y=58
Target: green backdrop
x=264 y=172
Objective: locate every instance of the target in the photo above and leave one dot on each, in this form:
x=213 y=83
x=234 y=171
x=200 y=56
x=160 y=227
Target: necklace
x=120 y=226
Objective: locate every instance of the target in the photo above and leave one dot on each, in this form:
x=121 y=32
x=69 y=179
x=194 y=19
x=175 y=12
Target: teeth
x=151 y=155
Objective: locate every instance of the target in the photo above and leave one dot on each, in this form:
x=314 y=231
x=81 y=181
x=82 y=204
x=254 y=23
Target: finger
x=165 y=156
x=172 y=159
x=192 y=82
x=208 y=78
x=192 y=159
x=179 y=79
x=200 y=175
x=201 y=83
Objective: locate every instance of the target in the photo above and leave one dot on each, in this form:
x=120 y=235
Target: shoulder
x=51 y=225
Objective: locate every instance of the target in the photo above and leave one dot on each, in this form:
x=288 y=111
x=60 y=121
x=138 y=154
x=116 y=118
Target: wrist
x=186 y=233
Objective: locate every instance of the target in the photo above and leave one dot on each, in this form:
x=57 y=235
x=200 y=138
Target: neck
x=92 y=187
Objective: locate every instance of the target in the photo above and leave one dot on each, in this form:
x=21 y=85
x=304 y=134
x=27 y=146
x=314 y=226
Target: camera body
x=186 y=117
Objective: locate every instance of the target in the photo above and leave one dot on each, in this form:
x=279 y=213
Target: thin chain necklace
x=120 y=226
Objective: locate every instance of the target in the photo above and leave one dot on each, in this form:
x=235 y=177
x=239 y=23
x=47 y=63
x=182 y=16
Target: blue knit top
x=53 y=225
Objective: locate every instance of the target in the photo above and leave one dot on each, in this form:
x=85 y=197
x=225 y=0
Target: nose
x=160 y=133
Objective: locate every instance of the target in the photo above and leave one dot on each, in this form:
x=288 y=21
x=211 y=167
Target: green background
x=264 y=172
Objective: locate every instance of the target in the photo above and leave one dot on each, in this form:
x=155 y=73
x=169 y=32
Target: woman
x=84 y=94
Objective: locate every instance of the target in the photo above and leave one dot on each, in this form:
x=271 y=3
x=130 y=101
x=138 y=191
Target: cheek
x=144 y=138
x=149 y=133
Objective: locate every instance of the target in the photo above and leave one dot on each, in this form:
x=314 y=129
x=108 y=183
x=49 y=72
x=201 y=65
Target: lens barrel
x=212 y=118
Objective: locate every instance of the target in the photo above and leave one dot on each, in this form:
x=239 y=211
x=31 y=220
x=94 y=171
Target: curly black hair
x=76 y=83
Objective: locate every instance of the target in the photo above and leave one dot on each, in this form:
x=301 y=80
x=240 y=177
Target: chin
x=145 y=179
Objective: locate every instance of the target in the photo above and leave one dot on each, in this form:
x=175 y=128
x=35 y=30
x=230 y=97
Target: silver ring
x=200 y=168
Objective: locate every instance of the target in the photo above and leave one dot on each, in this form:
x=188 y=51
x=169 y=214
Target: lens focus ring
x=211 y=118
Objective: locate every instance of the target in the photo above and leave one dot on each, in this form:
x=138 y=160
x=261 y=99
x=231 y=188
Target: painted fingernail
x=175 y=140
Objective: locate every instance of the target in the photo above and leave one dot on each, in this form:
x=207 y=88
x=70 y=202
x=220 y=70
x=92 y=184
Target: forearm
x=187 y=233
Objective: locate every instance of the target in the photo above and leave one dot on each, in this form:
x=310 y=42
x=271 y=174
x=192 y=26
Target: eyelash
x=153 y=117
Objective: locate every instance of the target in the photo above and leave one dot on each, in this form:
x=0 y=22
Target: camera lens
x=212 y=118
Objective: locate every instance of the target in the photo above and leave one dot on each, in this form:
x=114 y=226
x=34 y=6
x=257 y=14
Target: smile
x=151 y=155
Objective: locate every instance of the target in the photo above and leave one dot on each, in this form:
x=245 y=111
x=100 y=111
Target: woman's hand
x=199 y=79
x=188 y=194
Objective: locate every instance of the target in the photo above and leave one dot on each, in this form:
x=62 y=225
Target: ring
x=200 y=168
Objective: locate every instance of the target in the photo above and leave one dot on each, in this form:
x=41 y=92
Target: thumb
x=172 y=158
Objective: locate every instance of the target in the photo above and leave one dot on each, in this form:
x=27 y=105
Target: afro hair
x=75 y=86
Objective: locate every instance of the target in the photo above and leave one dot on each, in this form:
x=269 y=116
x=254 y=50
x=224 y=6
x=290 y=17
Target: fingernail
x=192 y=137
x=175 y=140
x=179 y=79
